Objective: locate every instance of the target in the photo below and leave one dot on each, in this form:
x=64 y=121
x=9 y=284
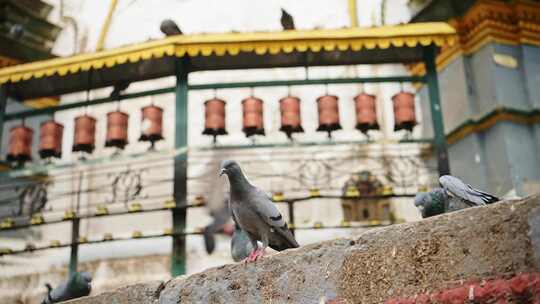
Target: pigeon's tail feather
x=486 y=197
x=282 y=239
x=209 y=240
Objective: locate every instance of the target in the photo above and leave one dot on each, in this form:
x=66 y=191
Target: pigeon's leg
x=251 y=257
x=260 y=252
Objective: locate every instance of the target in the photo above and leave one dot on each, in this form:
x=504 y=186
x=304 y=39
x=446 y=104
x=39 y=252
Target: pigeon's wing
x=268 y=212
x=466 y=192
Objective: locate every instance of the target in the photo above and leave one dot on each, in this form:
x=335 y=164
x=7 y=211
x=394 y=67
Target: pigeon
x=431 y=203
x=78 y=285
x=287 y=21
x=240 y=244
x=471 y=196
x=219 y=224
x=253 y=211
x=170 y=28
x=455 y=195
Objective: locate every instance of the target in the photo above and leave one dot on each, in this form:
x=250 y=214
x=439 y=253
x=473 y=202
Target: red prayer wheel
x=152 y=124
x=214 y=117
x=328 y=113
x=252 y=108
x=20 y=144
x=85 y=134
x=50 y=139
x=366 y=114
x=404 y=113
x=291 y=121
x=117 y=129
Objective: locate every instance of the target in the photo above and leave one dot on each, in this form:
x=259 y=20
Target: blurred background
x=101 y=193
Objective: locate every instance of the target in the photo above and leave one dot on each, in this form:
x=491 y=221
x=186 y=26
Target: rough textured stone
x=146 y=293
x=397 y=261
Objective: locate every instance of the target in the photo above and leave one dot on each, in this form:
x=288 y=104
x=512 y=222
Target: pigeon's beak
x=222 y=172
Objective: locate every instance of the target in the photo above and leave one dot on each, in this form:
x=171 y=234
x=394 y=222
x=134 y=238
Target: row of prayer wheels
x=328 y=109
x=51 y=134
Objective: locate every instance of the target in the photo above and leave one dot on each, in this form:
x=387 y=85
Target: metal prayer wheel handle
x=291 y=120
x=253 y=120
x=84 y=137
x=20 y=144
x=151 y=123
x=328 y=109
x=117 y=129
x=366 y=113
x=404 y=111
x=50 y=139
x=214 y=113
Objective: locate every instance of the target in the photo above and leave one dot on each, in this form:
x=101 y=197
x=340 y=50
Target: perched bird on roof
x=287 y=21
x=254 y=212
x=240 y=244
x=169 y=28
x=471 y=196
x=78 y=285
x=455 y=195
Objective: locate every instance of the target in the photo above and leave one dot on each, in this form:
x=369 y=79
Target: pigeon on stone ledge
x=254 y=212
x=455 y=195
x=78 y=285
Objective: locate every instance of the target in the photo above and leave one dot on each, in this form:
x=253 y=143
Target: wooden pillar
x=178 y=258
x=439 y=142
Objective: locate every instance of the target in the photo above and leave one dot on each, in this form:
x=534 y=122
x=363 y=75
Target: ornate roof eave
x=235 y=44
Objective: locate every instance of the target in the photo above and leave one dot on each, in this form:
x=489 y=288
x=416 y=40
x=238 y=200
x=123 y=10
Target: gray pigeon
x=431 y=203
x=169 y=28
x=78 y=285
x=240 y=244
x=455 y=195
x=471 y=196
x=254 y=212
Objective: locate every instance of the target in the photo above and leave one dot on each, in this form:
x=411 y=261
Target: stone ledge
x=398 y=261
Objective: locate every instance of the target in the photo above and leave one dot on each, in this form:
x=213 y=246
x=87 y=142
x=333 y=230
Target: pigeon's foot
x=254 y=255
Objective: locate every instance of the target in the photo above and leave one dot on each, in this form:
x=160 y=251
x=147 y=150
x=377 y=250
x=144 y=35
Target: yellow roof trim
x=233 y=43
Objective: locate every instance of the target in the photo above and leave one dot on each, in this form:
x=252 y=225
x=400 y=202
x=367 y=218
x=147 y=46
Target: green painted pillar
x=74 y=255
x=441 y=148
x=178 y=258
x=3 y=102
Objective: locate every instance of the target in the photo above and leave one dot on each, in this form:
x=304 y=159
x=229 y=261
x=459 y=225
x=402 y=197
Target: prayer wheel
x=291 y=121
x=328 y=113
x=404 y=112
x=84 y=137
x=214 y=117
x=366 y=114
x=117 y=129
x=50 y=139
x=152 y=124
x=20 y=144
x=253 y=123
